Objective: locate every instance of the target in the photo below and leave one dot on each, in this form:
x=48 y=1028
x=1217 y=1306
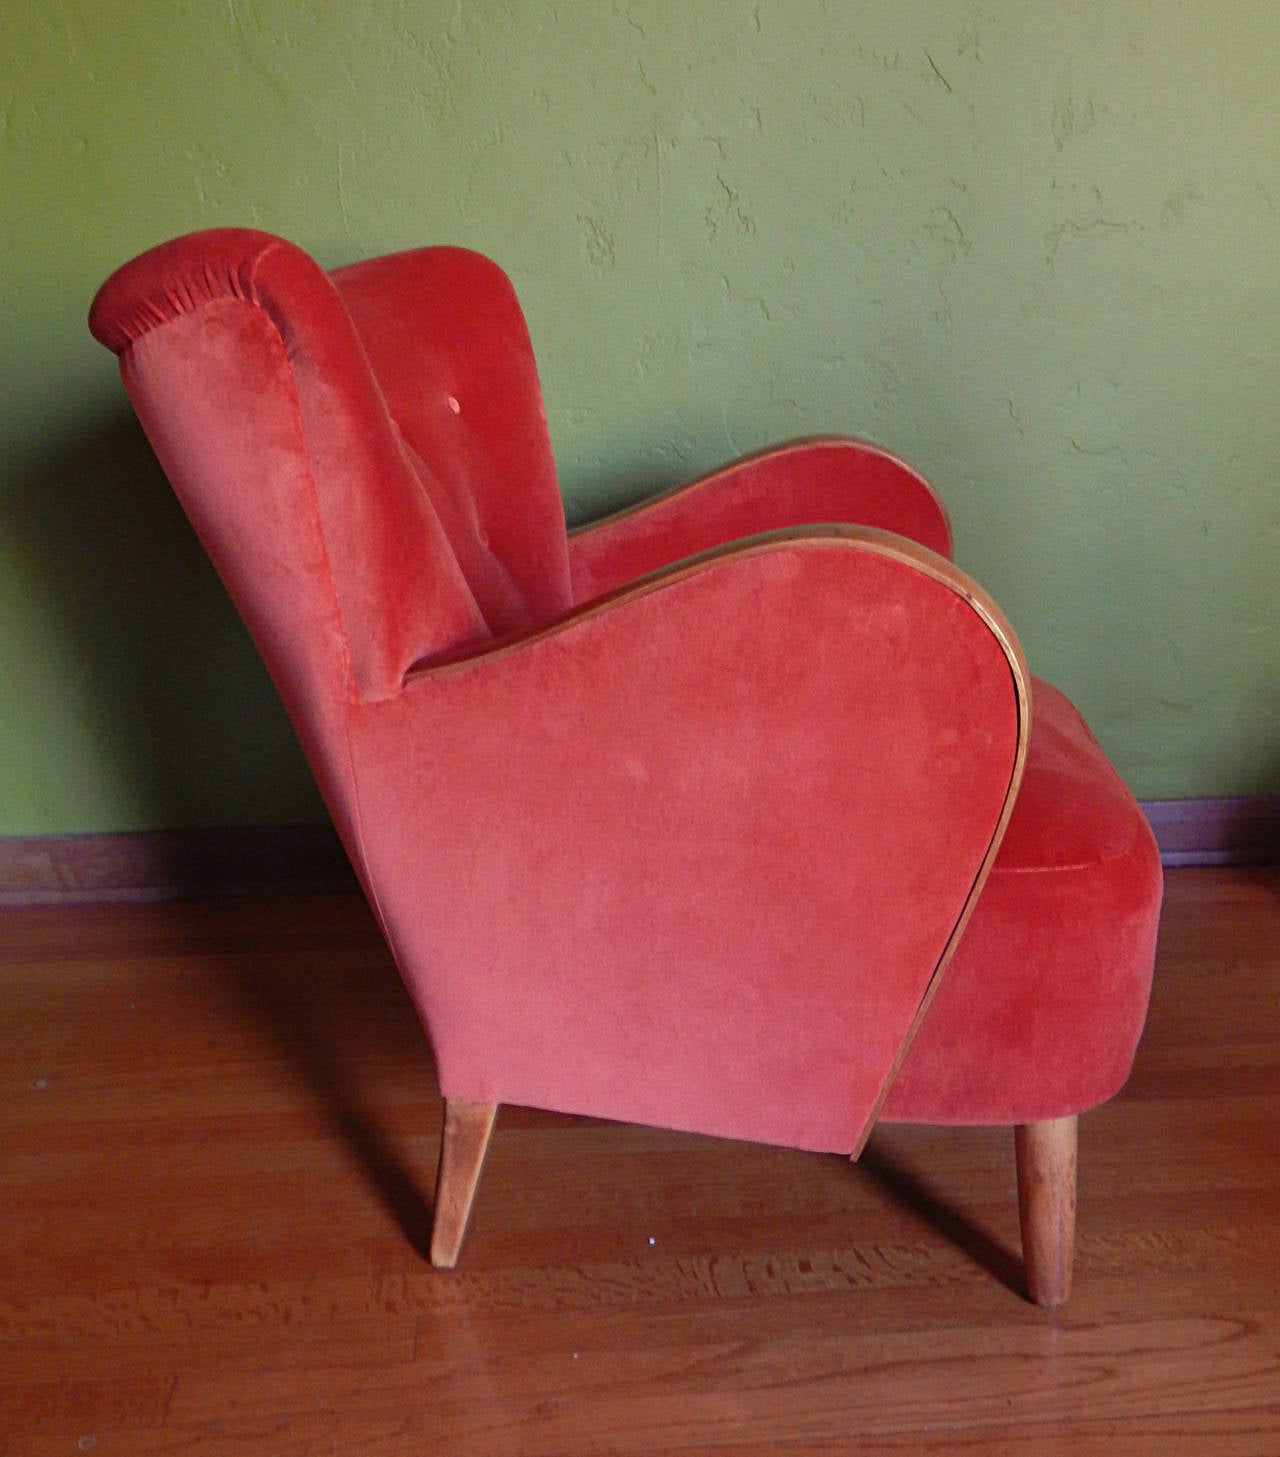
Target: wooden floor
x=217 y=1144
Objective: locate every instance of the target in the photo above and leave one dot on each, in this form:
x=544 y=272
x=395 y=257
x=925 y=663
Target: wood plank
x=644 y=1394
x=401 y=1430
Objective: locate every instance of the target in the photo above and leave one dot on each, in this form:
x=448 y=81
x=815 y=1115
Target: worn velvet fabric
x=671 y=819
x=1041 y=1009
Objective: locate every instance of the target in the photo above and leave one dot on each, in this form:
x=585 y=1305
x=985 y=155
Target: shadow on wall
x=159 y=673
x=191 y=732
x=155 y=659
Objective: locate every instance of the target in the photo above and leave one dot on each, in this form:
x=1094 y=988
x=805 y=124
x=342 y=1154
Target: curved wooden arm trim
x=1022 y=688
x=861 y=538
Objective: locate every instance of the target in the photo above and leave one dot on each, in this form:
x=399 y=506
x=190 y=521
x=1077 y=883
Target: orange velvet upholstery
x=735 y=812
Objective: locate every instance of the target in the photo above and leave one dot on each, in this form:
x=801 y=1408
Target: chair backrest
x=365 y=457
x=446 y=337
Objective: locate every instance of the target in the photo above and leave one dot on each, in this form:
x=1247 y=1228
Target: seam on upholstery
x=351 y=697
x=1076 y=864
x=335 y=603
x=1065 y=869
x=366 y=880
x=258 y=259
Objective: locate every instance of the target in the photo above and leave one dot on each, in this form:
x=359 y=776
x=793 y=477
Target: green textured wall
x=1034 y=248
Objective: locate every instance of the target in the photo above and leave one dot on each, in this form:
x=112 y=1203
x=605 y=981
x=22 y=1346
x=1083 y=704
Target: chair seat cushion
x=1039 y=1014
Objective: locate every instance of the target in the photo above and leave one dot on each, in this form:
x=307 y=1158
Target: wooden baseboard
x=284 y=859
x=172 y=864
x=1242 y=831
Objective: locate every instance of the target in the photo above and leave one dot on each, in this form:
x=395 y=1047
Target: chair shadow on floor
x=911 y=1193
x=337 y=1026
x=321 y=1027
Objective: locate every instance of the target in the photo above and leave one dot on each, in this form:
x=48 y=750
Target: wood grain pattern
x=215 y=1175
x=1045 y=1155
x=463 y=1146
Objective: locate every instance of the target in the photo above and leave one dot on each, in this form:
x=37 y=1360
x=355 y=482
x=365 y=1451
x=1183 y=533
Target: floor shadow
x=912 y=1194
x=312 y=1042
x=327 y=1001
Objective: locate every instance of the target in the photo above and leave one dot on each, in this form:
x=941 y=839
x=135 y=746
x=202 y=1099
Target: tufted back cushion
x=447 y=341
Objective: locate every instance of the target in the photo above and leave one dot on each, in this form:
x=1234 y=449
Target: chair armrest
x=804 y=482
x=727 y=824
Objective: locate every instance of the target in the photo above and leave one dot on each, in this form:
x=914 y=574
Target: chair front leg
x=1046 y=1157
x=463 y=1145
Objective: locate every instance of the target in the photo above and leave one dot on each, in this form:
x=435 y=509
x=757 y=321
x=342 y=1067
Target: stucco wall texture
x=1033 y=248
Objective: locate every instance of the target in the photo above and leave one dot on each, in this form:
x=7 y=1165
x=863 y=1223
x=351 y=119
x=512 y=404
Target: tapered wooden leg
x=463 y=1145
x=1046 y=1154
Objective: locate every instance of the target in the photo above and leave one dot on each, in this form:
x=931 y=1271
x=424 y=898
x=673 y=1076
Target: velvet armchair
x=737 y=812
